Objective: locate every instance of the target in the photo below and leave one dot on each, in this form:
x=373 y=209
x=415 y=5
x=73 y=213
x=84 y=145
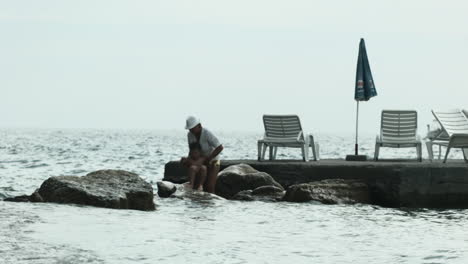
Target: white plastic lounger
x=285 y=131
x=398 y=129
x=454 y=132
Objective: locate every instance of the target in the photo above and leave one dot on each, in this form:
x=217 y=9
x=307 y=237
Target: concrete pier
x=392 y=183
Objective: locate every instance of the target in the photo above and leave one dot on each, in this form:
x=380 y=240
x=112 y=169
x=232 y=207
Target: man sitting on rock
x=210 y=148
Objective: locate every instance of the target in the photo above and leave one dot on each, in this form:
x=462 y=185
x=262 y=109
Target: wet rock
x=116 y=189
x=184 y=191
x=20 y=198
x=165 y=188
x=268 y=193
x=242 y=177
x=331 y=191
x=245 y=195
x=268 y=190
x=35 y=197
x=175 y=172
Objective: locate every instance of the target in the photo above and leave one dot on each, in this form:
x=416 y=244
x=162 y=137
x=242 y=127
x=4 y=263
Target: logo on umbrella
x=360 y=84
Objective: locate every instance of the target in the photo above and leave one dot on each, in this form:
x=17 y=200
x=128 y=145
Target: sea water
x=214 y=231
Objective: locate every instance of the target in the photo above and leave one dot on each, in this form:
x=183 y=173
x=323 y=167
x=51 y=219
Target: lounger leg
x=259 y=147
x=440 y=151
x=317 y=150
x=314 y=150
x=376 y=153
x=430 y=153
x=306 y=147
x=465 y=154
x=304 y=153
x=419 y=151
x=271 y=153
x=312 y=145
x=446 y=154
x=264 y=148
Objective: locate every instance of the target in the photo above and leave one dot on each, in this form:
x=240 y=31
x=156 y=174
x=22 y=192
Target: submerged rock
x=116 y=189
x=268 y=190
x=184 y=191
x=165 y=188
x=330 y=191
x=245 y=195
x=242 y=177
x=35 y=197
x=269 y=193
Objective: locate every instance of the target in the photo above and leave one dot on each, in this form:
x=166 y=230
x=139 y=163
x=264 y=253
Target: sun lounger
x=285 y=131
x=453 y=132
x=398 y=129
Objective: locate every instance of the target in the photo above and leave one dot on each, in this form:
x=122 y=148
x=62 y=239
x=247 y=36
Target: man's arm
x=214 y=153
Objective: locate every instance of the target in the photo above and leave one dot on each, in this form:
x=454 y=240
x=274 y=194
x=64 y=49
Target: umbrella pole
x=357 y=119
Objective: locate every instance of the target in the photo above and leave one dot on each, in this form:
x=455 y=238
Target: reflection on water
x=200 y=230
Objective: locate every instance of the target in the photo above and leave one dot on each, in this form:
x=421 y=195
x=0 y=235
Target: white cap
x=191 y=122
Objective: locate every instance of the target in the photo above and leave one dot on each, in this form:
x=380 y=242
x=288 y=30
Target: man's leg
x=211 y=178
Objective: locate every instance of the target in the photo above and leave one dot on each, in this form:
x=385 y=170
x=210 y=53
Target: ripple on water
x=76 y=172
x=33 y=166
x=13 y=161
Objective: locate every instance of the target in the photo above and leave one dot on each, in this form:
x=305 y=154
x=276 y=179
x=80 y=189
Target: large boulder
x=332 y=191
x=175 y=172
x=116 y=189
x=242 y=177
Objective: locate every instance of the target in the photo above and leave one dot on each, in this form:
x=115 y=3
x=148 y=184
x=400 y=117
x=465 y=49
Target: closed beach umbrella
x=365 y=88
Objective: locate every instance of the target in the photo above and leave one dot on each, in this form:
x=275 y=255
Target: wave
x=36 y=166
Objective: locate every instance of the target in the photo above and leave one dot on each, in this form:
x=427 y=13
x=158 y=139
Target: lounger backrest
x=399 y=125
x=465 y=112
x=282 y=126
x=452 y=121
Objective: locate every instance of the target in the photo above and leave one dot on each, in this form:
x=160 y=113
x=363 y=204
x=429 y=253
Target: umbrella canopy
x=365 y=88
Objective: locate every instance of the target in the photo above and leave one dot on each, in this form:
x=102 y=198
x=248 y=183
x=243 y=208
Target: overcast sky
x=149 y=64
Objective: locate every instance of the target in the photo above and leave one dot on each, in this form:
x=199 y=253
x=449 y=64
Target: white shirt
x=208 y=142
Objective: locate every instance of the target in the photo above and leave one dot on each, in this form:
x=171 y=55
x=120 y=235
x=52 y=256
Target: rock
x=116 y=189
x=20 y=198
x=242 y=177
x=165 y=188
x=185 y=192
x=35 y=197
x=245 y=195
x=268 y=193
x=330 y=191
x=175 y=172
x=268 y=190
